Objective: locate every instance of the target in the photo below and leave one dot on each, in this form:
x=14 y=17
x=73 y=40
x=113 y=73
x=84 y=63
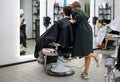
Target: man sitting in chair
x=60 y=32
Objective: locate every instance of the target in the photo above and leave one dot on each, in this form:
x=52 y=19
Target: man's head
x=67 y=11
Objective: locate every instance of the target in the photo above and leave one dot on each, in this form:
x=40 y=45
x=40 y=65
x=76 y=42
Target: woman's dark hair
x=67 y=10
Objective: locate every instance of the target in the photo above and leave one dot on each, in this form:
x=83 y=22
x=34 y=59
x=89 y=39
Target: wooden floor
x=33 y=72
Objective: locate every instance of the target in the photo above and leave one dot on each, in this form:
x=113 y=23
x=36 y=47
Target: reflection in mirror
x=29 y=25
x=85 y=4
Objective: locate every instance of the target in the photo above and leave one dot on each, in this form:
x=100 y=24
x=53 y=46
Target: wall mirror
x=29 y=25
x=85 y=5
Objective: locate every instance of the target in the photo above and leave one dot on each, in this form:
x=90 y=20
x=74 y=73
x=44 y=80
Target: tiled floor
x=34 y=72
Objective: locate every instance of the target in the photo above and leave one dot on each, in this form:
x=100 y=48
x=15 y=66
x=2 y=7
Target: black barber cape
x=60 y=32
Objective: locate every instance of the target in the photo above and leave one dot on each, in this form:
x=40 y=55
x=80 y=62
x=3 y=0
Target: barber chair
x=54 y=63
x=110 y=64
x=116 y=48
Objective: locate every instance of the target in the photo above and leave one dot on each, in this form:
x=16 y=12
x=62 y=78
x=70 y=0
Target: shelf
x=105 y=8
x=35 y=6
x=104 y=17
x=105 y=20
x=35 y=18
x=37 y=14
x=57 y=13
x=104 y=14
x=55 y=21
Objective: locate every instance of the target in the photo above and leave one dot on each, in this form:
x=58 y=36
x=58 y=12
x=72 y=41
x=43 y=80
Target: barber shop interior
x=41 y=41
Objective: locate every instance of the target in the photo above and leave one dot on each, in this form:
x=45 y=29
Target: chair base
x=59 y=70
x=67 y=73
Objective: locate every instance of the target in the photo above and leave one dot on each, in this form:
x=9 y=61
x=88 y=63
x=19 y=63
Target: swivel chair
x=110 y=64
x=54 y=63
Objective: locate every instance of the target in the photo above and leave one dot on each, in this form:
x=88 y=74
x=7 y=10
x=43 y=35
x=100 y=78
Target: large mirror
x=29 y=25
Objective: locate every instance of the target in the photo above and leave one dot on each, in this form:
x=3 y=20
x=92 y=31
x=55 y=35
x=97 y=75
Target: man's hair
x=67 y=10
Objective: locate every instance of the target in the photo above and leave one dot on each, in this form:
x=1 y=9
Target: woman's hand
x=73 y=21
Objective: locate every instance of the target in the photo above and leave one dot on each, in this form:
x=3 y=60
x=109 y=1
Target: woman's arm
x=73 y=21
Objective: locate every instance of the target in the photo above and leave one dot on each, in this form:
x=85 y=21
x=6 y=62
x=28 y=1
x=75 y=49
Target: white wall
x=117 y=8
x=9 y=33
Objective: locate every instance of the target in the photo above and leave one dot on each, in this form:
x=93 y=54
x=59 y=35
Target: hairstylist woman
x=83 y=43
